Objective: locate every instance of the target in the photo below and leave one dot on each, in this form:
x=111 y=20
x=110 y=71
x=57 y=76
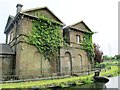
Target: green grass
x=60 y=82
x=45 y=83
x=114 y=71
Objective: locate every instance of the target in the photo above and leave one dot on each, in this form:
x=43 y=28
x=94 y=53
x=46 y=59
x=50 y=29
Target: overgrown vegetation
x=87 y=45
x=61 y=82
x=46 y=37
x=107 y=64
x=45 y=83
x=116 y=57
x=114 y=71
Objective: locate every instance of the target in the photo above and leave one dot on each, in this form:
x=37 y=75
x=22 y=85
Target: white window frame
x=10 y=37
x=78 y=38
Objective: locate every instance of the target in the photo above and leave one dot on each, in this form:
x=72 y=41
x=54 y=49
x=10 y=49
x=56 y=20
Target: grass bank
x=114 y=71
x=60 y=82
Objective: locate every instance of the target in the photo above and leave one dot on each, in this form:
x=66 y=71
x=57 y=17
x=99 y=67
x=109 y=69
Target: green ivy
x=46 y=37
x=87 y=45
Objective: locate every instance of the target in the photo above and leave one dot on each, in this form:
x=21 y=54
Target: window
x=8 y=39
x=78 y=38
x=11 y=36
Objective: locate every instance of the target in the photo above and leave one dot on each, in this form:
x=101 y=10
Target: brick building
x=24 y=60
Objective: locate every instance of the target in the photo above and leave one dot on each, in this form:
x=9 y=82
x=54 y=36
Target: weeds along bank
x=62 y=82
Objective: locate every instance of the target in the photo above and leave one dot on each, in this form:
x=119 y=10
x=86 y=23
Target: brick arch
x=68 y=63
x=81 y=61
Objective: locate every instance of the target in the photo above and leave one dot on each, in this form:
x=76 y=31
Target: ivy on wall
x=87 y=45
x=46 y=37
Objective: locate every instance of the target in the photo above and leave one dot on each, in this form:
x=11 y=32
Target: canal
x=113 y=83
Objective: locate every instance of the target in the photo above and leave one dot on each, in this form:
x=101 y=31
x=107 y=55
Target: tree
x=105 y=57
x=117 y=56
x=98 y=54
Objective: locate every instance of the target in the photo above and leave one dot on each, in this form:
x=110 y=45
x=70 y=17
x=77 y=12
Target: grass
x=59 y=82
x=114 y=71
x=45 y=83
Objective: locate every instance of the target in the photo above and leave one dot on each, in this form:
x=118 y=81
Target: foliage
x=46 y=37
x=106 y=64
x=45 y=83
x=98 y=54
x=100 y=65
x=105 y=57
x=117 y=56
x=87 y=45
x=113 y=72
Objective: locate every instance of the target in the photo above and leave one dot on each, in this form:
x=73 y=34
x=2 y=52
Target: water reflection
x=113 y=82
x=95 y=86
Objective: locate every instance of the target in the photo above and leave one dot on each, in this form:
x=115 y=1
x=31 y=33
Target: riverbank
x=66 y=82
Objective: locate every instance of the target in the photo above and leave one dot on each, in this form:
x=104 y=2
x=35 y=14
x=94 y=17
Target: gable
x=43 y=12
x=81 y=26
x=9 y=21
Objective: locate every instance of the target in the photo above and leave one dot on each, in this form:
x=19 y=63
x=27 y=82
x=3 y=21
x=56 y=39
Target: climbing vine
x=46 y=37
x=87 y=45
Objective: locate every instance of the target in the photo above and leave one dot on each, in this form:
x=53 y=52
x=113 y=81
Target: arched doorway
x=81 y=62
x=68 y=63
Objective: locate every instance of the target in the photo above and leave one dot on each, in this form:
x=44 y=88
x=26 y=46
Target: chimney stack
x=19 y=8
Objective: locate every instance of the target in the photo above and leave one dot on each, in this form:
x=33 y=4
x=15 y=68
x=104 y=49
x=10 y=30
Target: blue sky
x=100 y=15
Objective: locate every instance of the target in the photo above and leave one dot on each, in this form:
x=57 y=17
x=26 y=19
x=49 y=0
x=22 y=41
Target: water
x=113 y=83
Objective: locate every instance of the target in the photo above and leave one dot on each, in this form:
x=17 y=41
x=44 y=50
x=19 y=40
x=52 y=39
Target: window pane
x=77 y=38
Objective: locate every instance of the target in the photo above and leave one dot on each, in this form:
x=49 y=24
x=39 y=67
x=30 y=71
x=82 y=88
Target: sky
x=101 y=16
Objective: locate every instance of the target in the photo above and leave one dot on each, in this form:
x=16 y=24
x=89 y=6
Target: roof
x=9 y=21
x=33 y=9
x=73 y=26
x=6 y=49
x=12 y=19
x=40 y=8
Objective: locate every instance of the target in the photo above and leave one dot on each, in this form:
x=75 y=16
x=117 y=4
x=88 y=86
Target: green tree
x=98 y=54
x=117 y=56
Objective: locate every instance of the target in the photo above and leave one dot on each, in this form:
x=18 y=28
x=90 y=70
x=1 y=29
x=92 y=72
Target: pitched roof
x=9 y=21
x=41 y=8
x=6 y=49
x=12 y=19
x=73 y=26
